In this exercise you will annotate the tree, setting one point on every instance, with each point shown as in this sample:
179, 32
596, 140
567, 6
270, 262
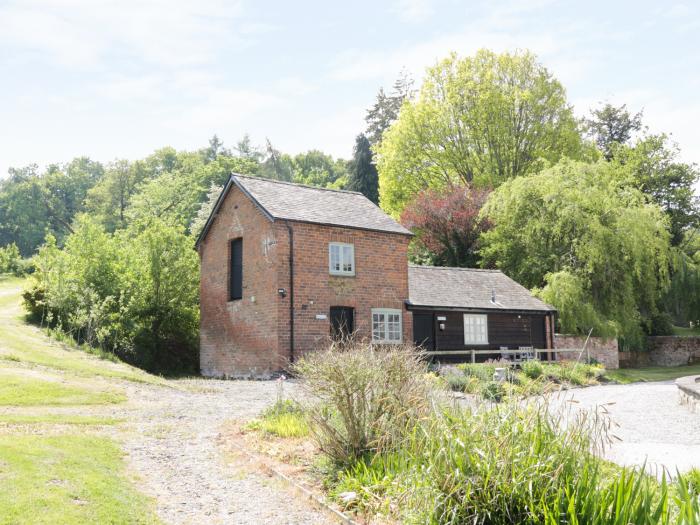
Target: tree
315, 168
276, 165
482, 120
108, 200
363, 173
447, 224
651, 165
386, 109
612, 126
245, 149
33, 203
594, 247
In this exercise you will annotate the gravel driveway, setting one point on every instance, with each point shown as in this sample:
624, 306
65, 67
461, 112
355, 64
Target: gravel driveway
653, 425
171, 442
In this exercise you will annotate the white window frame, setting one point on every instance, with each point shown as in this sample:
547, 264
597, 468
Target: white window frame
343, 248
480, 333
386, 312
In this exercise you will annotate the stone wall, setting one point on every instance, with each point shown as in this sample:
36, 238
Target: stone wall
674, 350
601, 349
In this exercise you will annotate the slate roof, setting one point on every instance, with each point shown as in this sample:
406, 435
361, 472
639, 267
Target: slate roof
468, 288
297, 202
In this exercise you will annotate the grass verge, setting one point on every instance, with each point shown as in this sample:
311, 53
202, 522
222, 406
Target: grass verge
57, 419
67, 480
20, 390
283, 419
654, 373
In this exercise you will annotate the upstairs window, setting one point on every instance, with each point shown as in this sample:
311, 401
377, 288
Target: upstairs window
475, 329
235, 283
341, 259
386, 326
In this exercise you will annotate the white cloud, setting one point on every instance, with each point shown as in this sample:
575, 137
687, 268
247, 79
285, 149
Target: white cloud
83, 33
413, 10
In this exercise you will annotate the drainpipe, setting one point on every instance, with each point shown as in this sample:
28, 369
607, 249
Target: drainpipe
291, 291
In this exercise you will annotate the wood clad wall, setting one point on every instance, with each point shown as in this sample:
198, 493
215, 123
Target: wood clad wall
504, 329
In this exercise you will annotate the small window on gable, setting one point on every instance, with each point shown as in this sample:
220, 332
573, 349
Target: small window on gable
235, 284
476, 329
386, 325
341, 258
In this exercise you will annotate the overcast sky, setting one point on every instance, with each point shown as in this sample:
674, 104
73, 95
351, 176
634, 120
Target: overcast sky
118, 79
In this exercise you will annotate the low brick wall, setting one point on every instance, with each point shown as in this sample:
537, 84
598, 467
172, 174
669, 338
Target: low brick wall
673, 350
601, 349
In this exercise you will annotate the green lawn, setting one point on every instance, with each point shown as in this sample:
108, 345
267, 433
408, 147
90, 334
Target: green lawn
654, 373
17, 389
683, 331
67, 480
64, 470
61, 419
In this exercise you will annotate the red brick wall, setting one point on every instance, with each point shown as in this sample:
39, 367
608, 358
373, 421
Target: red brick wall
380, 281
604, 350
239, 338
250, 337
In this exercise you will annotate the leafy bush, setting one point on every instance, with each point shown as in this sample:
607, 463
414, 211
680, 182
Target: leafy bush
367, 396
457, 382
11, 261
661, 323
133, 293
532, 369
482, 371
284, 419
493, 391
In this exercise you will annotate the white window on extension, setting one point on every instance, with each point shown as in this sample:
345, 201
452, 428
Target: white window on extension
386, 326
476, 330
341, 258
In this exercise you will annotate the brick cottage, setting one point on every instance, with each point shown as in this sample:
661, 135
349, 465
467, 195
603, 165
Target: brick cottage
286, 267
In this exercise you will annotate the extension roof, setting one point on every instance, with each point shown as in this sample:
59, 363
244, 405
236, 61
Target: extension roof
296, 202
468, 288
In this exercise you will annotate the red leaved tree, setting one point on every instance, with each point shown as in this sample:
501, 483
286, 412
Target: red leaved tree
447, 225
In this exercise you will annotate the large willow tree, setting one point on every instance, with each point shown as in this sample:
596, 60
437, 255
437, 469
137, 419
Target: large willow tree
594, 246
483, 120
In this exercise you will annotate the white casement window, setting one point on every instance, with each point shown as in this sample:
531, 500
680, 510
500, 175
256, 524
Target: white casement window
341, 258
476, 331
386, 325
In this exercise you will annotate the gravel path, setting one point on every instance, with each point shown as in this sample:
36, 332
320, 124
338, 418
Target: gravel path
171, 439
653, 425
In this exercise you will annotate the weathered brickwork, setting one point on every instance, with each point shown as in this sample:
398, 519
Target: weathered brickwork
239, 338
251, 336
674, 350
603, 350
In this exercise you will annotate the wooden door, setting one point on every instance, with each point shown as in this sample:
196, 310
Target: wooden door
342, 322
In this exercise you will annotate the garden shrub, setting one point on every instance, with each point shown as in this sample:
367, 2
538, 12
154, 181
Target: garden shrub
11, 261
532, 369
366, 396
482, 371
493, 391
457, 382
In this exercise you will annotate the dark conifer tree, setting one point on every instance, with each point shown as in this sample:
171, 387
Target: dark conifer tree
363, 172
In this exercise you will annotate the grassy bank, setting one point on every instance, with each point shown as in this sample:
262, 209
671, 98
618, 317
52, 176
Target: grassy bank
56, 466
